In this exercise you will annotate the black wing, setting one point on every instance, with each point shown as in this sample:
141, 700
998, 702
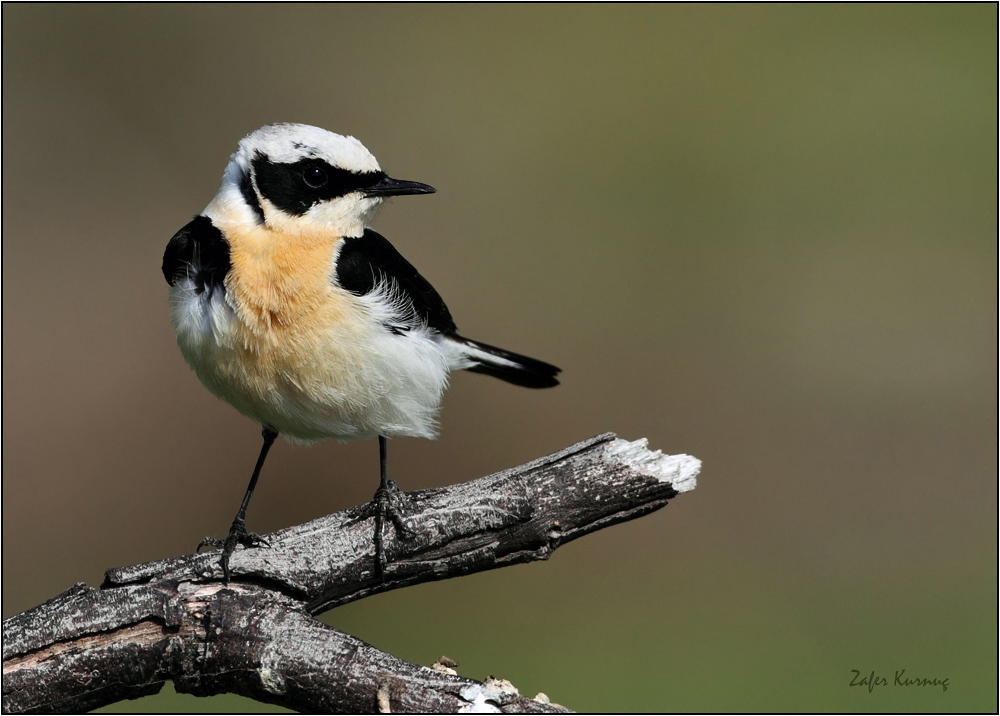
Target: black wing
369, 260
199, 252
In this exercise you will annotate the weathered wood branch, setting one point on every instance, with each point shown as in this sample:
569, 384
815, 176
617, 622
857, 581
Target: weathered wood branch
257, 636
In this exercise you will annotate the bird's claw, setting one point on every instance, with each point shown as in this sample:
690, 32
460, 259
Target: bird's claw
383, 502
384, 505
238, 535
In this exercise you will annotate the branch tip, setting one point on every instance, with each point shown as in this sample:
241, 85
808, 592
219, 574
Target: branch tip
680, 471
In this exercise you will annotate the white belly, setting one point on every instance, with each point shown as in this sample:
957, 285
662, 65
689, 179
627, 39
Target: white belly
343, 379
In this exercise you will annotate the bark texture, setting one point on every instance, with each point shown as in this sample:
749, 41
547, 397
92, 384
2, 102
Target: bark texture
257, 636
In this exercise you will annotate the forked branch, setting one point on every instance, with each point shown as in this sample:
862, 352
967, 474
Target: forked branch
257, 636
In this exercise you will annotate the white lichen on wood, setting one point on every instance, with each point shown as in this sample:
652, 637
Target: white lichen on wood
681, 471
543, 698
382, 696
488, 697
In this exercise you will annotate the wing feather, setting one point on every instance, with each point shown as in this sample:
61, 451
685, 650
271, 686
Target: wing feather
369, 261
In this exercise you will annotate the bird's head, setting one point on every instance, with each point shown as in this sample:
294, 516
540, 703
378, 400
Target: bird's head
297, 179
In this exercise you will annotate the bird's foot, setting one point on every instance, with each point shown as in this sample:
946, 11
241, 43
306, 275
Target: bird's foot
385, 504
238, 534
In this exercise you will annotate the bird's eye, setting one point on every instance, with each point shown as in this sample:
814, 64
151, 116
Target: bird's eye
314, 177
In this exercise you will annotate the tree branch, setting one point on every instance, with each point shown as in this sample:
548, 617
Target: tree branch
176, 619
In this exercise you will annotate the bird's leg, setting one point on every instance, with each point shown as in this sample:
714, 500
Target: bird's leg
383, 506
238, 533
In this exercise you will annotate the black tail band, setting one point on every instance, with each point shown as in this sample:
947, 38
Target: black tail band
511, 367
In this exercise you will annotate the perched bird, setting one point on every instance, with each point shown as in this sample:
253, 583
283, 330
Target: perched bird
294, 312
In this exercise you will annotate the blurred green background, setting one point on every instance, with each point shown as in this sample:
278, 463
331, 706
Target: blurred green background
764, 236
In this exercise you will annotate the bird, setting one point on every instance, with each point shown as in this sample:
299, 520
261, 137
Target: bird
287, 306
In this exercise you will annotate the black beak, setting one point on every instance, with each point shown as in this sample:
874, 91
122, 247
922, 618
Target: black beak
397, 187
